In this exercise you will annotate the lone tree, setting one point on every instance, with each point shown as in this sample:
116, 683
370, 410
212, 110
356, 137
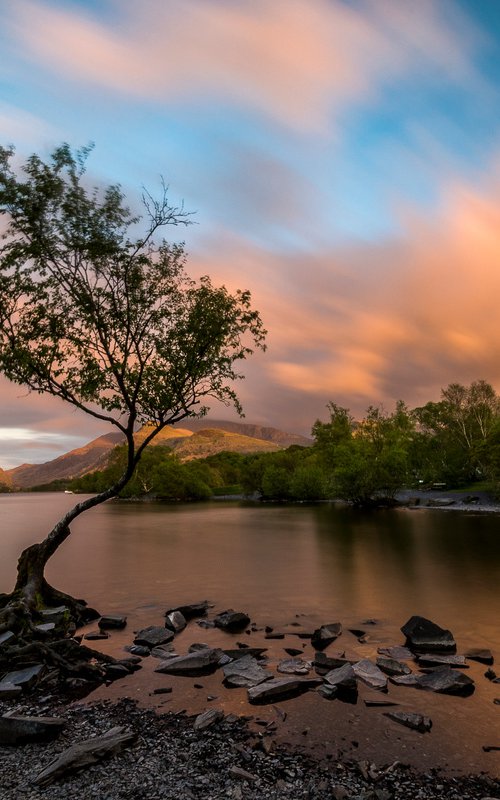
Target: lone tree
109, 322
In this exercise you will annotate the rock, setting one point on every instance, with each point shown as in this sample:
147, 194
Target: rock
84, 754
482, 655
202, 662
342, 678
44, 628
55, 613
17, 729
323, 663
163, 690
370, 674
25, 678
96, 635
175, 621
425, 636
246, 672
392, 667
137, 649
325, 635
378, 702
9, 690
231, 621
417, 722
115, 671
292, 651
153, 636
191, 610
280, 689
242, 774
399, 653
445, 680
163, 651
112, 621
405, 680
437, 660
274, 635
7, 637
208, 718
256, 652
294, 666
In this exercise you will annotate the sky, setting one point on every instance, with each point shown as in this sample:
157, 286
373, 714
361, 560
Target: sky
342, 158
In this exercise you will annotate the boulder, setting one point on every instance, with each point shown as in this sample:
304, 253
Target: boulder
175, 621
153, 636
370, 674
201, 662
280, 689
325, 635
425, 636
19, 729
417, 722
445, 680
112, 621
231, 621
245, 672
392, 667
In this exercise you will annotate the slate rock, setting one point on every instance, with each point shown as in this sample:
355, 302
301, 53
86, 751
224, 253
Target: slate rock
294, 666
153, 636
94, 636
20, 729
7, 637
482, 655
399, 653
280, 689
245, 672
425, 636
446, 681
405, 680
112, 621
323, 663
208, 718
9, 690
392, 667
25, 678
342, 677
138, 650
293, 651
191, 610
201, 662
54, 613
441, 660
370, 674
325, 635
417, 722
231, 621
256, 652
175, 621
44, 628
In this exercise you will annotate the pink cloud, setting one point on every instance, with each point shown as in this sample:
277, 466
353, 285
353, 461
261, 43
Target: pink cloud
297, 61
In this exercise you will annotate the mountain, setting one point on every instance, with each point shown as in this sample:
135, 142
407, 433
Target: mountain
197, 441
267, 434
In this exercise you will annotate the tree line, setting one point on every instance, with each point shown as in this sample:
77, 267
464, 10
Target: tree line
453, 443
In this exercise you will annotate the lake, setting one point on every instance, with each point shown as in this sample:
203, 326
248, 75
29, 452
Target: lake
282, 564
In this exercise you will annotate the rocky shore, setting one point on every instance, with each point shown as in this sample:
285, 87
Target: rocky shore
170, 758
52, 746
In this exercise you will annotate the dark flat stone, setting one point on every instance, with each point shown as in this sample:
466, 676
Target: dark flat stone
201, 662
425, 636
280, 688
153, 636
20, 729
417, 722
112, 621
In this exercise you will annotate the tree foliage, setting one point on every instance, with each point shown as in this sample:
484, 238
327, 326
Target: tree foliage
107, 319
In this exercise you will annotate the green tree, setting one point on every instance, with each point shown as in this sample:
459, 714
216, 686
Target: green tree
106, 320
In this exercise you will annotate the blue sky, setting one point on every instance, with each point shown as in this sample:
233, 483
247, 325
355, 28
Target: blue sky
342, 159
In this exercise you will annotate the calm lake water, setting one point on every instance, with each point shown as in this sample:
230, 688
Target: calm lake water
280, 564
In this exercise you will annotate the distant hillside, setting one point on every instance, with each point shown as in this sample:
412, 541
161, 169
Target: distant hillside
214, 440
267, 434
203, 438
77, 462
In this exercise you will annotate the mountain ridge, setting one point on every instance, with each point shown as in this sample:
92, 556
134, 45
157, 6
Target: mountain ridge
199, 440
